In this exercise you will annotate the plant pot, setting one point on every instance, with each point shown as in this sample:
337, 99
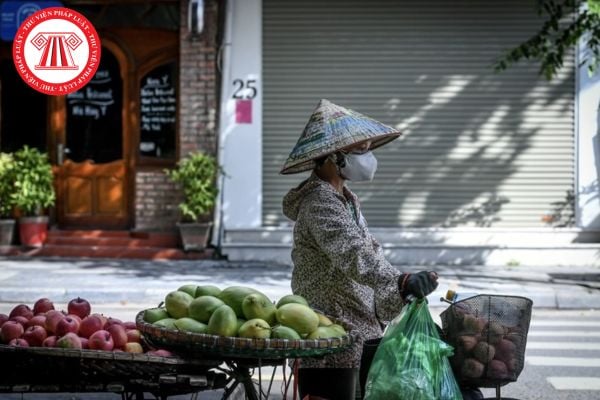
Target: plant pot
194, 236
7, 230
33, 231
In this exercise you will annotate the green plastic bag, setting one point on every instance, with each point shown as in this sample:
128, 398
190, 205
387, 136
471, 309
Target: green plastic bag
411, 362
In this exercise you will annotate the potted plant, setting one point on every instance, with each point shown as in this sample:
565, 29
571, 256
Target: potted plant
7, 188
196, 174
34, 193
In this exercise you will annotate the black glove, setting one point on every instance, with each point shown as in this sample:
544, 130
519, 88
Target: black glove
418, 285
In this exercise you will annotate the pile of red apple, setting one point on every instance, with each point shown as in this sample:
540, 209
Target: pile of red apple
77, 328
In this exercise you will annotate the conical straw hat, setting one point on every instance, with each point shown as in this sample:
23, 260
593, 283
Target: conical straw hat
332, 128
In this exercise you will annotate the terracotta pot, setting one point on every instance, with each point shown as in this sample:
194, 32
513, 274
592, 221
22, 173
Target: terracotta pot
33, 231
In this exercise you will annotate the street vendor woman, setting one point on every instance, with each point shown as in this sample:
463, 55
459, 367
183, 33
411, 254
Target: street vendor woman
338, 266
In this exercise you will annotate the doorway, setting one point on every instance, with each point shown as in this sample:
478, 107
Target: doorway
91, 167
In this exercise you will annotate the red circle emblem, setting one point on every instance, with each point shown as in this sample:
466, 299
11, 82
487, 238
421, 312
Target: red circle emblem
56, 51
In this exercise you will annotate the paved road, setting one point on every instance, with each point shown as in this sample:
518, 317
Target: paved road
563, 353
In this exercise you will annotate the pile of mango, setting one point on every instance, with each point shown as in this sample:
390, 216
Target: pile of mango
241, 311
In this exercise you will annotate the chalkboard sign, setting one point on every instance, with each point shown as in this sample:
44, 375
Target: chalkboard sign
94, 120
158, 112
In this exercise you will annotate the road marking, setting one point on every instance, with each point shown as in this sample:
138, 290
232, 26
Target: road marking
6, 275
565, 333
566, 323
563, 345
574, 383
563, 361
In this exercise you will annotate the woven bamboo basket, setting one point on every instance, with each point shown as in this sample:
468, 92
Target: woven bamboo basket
235, 347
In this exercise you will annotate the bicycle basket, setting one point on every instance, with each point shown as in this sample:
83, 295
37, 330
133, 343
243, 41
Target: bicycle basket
489, 335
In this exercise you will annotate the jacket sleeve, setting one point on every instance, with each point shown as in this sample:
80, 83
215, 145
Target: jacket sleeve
353, 252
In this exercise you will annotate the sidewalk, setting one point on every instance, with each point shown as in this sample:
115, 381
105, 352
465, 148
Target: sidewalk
124, 287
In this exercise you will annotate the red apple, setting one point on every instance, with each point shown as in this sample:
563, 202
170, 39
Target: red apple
20, 319
118, 334
84, 343
129, 325
102, 318
69, 341
52, 318
75, 317
101, 340
89, 325
18, 342
39, 319
11, 330
134, 335
35, 335
79, 307
22, 310
42, 305
66, 325
3, 318
112, 321
133, 347
50, 341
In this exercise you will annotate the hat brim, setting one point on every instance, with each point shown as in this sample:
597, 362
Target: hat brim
309, 164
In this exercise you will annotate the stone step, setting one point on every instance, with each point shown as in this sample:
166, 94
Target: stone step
113, 251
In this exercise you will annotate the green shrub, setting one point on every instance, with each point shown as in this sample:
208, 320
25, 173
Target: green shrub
34, 190
7, 184
196, 174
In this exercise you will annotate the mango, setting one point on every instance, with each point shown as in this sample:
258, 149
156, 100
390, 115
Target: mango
201, 308
222, 322
323, 332
233, 296
207, 290
297, 316
339, 329
257, 305
177, 304
187, 324
291, 298
323, 320
168, 323
255, 328
152, 315
189, 289
284, 332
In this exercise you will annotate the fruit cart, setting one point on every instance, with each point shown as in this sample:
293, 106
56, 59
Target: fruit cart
237, 356
201, 362
51, 370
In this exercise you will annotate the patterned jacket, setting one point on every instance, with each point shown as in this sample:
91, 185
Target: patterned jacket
338, 266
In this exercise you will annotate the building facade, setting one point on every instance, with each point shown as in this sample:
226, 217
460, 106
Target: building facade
492, 167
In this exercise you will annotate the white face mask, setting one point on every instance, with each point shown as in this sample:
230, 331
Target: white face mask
359, 167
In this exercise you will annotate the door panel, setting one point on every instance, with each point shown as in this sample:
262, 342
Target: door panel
94, 193
92, 173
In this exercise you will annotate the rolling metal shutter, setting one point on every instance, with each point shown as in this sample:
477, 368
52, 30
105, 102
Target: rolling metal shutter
480, 148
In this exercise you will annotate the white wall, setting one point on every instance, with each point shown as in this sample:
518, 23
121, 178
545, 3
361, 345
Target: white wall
240, 144
588, 146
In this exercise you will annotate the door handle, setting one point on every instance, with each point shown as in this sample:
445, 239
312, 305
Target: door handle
61, 150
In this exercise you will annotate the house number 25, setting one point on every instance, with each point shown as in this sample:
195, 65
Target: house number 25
244, 89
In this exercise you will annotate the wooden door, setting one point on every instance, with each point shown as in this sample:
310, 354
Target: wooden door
91, 150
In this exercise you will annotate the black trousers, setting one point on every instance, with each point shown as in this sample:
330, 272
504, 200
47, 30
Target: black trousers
328, 383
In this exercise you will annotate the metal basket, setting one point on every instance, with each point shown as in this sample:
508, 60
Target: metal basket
206, 345
489, 336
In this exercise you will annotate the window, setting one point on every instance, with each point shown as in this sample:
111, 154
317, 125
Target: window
158, 112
